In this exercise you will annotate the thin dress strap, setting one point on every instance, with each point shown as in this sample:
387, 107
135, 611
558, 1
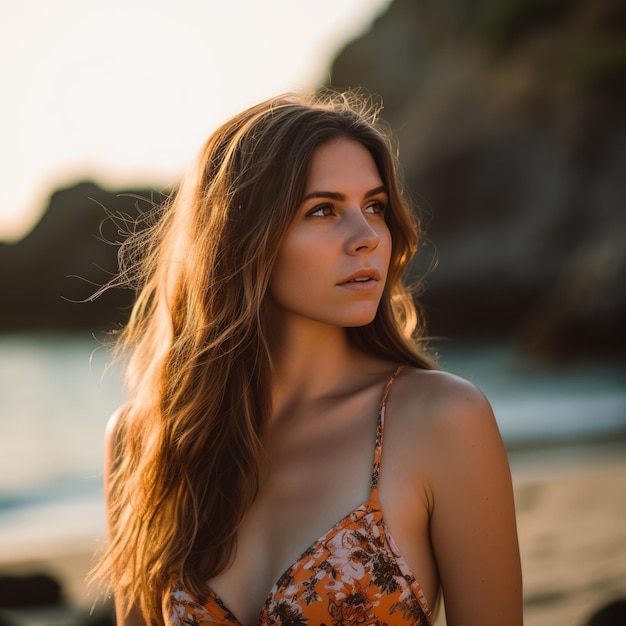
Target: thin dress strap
380, 428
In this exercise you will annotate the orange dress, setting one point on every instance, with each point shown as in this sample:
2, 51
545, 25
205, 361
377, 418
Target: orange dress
351, 575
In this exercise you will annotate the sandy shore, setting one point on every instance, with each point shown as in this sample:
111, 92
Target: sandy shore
571, 510
571, 506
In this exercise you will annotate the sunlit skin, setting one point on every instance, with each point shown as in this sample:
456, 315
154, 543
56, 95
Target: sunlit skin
332, 265
444, 486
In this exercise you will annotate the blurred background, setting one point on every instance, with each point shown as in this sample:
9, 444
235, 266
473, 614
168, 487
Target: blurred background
511, 121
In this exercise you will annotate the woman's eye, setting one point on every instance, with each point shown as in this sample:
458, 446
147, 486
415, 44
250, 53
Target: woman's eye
377, 208
323, 210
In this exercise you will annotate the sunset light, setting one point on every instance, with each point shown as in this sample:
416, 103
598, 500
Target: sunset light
124, 92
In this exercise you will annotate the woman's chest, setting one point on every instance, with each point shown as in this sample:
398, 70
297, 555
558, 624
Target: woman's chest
302, 497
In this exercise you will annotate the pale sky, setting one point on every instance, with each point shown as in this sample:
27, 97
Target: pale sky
125, 91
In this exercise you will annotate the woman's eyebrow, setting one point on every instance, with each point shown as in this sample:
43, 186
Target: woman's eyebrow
333, 195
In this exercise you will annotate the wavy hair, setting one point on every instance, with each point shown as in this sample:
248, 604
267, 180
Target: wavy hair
198, 367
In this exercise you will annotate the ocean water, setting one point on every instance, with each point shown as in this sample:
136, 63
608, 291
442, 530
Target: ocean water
56, 394
55, 398
535, 404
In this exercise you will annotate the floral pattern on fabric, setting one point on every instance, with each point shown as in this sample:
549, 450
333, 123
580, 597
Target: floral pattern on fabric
352, 576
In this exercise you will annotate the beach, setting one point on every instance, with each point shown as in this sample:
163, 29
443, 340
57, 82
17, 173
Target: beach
571, 510
564, 428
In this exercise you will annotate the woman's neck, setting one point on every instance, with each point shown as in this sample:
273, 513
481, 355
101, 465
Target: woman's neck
310, 360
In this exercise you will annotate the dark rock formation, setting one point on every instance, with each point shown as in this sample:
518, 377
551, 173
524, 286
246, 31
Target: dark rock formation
512, 129
35, 590
48, 278
511, 120
39, 599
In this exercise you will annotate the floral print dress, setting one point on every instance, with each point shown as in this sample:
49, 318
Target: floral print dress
353, 575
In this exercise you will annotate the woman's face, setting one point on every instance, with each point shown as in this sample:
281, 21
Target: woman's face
332, 265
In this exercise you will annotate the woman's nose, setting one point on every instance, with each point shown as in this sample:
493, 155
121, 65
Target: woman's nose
362, 237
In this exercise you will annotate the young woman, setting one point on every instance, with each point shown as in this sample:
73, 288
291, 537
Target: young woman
288, 453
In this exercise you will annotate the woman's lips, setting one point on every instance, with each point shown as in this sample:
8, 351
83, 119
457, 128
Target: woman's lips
360, 284
365, 275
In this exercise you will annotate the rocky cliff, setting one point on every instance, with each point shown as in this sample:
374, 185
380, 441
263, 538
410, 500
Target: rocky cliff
512, 128
48, 278
511, 122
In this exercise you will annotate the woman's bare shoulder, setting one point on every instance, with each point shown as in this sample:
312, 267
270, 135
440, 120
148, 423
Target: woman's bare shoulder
439, 398
114, 424
447, 418
452, 449
112, 436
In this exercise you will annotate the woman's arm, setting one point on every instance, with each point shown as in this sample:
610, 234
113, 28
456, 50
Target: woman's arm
473, 529
134, 618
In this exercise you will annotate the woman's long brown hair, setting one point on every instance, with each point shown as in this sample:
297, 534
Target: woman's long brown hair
198, 375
